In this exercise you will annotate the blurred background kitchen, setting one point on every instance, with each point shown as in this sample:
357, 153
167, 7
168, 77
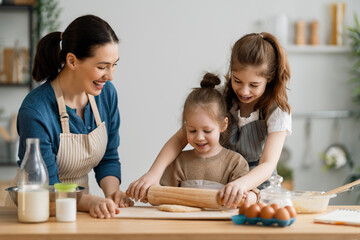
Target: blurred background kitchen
167, 45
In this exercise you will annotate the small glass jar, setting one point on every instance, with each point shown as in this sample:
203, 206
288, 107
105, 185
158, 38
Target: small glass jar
275, 193
65, 202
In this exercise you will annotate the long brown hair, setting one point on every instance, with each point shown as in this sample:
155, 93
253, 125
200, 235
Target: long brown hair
263, 51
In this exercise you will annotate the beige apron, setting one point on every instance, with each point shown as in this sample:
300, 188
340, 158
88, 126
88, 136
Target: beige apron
78, 153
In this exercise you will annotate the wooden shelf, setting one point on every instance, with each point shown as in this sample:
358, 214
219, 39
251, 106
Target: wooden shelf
14, 7
327, 49
29, 9
14, 85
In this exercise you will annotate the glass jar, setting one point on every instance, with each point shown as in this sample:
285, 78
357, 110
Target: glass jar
275, 193
65, 203
33, 184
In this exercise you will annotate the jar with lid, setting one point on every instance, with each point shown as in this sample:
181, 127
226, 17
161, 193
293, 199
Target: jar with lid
275, 193
33, 185
65, 202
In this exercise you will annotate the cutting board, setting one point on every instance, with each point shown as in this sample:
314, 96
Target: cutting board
152, 212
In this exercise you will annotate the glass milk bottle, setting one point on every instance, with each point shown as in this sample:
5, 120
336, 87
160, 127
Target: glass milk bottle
33, 183
65, 202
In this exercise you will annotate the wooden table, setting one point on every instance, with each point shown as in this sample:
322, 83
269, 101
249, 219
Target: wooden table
90, 228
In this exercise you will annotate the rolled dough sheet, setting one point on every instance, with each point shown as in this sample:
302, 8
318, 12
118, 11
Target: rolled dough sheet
178, 208
152, 212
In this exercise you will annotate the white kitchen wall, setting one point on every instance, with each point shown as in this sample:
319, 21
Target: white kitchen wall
167, 45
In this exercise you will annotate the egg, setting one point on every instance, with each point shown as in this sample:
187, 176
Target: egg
275, 206
291, 211
282, 214
261, 205
253, 211
267, 212
243, 207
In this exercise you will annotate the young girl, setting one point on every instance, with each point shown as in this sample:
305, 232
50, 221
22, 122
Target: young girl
208, 165
260, 120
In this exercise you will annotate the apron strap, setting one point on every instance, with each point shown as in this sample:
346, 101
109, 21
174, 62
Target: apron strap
64, 117
94, 109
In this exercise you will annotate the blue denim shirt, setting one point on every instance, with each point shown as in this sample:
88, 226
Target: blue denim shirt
38, 117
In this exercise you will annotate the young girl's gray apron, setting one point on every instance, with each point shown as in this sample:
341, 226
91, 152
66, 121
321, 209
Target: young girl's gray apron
78, 153
203, 184
248, 140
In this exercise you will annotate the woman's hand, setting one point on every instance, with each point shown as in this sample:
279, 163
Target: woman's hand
102, 207
120, 199
232, 194
138, 189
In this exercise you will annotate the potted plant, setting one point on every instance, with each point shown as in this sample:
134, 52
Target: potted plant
287, 173
354, 35
284, 170
47, 13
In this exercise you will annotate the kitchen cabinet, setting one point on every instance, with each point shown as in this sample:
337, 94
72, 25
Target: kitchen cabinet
323, 114
16, 25
16, 55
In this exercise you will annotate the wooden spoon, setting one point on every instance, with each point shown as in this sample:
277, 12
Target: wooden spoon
343, 188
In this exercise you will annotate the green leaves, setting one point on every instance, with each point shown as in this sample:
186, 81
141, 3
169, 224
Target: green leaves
47, 12
354, 35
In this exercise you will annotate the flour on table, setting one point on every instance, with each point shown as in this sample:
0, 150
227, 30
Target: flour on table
178, 208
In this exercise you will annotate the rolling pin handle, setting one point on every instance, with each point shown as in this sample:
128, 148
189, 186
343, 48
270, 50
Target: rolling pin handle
129, 195
220, 200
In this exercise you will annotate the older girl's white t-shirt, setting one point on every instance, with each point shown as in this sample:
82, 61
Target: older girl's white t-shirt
278, 120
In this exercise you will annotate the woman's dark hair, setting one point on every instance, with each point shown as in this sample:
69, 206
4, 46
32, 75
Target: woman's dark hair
207, 98
81, 38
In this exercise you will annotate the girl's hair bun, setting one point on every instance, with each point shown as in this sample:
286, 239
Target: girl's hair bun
210, 80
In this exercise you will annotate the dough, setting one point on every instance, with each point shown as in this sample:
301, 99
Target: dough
178, 208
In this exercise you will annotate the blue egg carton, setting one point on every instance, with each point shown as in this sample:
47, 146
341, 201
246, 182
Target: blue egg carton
242, 219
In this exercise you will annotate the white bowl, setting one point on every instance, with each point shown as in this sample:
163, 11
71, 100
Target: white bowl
310, 201
13, 191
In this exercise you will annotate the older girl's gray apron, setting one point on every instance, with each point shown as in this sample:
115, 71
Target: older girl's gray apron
248, 140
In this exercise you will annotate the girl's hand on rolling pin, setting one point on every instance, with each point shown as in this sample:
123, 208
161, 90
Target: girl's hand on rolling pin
251, 198
121, 200
232, 194
138, 189
102, 207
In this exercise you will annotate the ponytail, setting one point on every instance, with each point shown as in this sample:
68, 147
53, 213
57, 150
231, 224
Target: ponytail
47, 62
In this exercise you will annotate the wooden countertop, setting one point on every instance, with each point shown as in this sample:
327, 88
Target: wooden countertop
87, 227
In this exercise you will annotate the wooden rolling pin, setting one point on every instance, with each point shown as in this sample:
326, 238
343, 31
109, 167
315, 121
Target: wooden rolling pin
193, 197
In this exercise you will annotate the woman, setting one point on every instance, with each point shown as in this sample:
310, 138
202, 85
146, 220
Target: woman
77, 66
